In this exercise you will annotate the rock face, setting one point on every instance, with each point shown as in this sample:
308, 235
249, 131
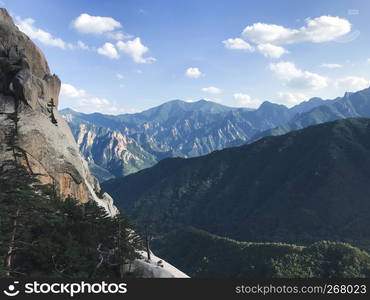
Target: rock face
108, 152
29, 91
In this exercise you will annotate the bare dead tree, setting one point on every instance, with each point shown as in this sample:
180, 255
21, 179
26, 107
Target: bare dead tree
147, 228
11, 246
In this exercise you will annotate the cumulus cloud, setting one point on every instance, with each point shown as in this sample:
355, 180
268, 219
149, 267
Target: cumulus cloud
120, 76
246, 101
28, 27
317, 30
290, 99
270, 50
69, 91
108, 26
118, 35
94, 101
331, 66
352, 83
86, 23
296, 78
136, 50
96, 104
79, 99
108, 50
211, 90
238, 44
193, 72
268, 38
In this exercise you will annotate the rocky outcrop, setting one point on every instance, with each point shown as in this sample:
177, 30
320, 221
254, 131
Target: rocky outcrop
154, 268
29, 93
109, 152
46, 147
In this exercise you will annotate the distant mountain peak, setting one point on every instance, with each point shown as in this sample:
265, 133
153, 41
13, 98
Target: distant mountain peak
68, 110
269, 104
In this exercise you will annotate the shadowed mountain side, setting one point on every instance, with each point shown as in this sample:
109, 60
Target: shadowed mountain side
351, 105
305, 186
205, 255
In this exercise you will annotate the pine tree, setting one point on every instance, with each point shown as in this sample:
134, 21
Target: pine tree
129, 243
21, 209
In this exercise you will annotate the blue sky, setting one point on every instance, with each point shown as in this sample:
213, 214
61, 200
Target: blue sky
127, 56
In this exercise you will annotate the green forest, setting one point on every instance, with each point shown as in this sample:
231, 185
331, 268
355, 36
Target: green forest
43, 236
204, 255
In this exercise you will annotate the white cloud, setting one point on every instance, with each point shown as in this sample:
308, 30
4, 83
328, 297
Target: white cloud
246, 100
291, 99
268, 37
368, 60
28, 27
211, 90
82, 45
94, 101
79, 98
193, 72
325, 29
120, 76
136, 50
118, 35
95, 24
69, 91
238, 44
331, 66
109, 51
317, 30
261, 33
296, 78
352, 83
96, 104
285, 70
270, 50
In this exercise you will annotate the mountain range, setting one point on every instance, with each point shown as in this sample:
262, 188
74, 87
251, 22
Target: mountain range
301, 187
124, 144
349, 106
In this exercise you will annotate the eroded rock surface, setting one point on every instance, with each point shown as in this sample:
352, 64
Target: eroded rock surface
29, 91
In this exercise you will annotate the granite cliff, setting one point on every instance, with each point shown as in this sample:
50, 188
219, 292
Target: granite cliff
35, 135
28, 112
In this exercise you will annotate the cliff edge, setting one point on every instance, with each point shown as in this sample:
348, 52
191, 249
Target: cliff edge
29, 96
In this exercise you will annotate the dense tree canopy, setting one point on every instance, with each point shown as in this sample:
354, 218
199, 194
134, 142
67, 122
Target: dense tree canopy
42, 235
